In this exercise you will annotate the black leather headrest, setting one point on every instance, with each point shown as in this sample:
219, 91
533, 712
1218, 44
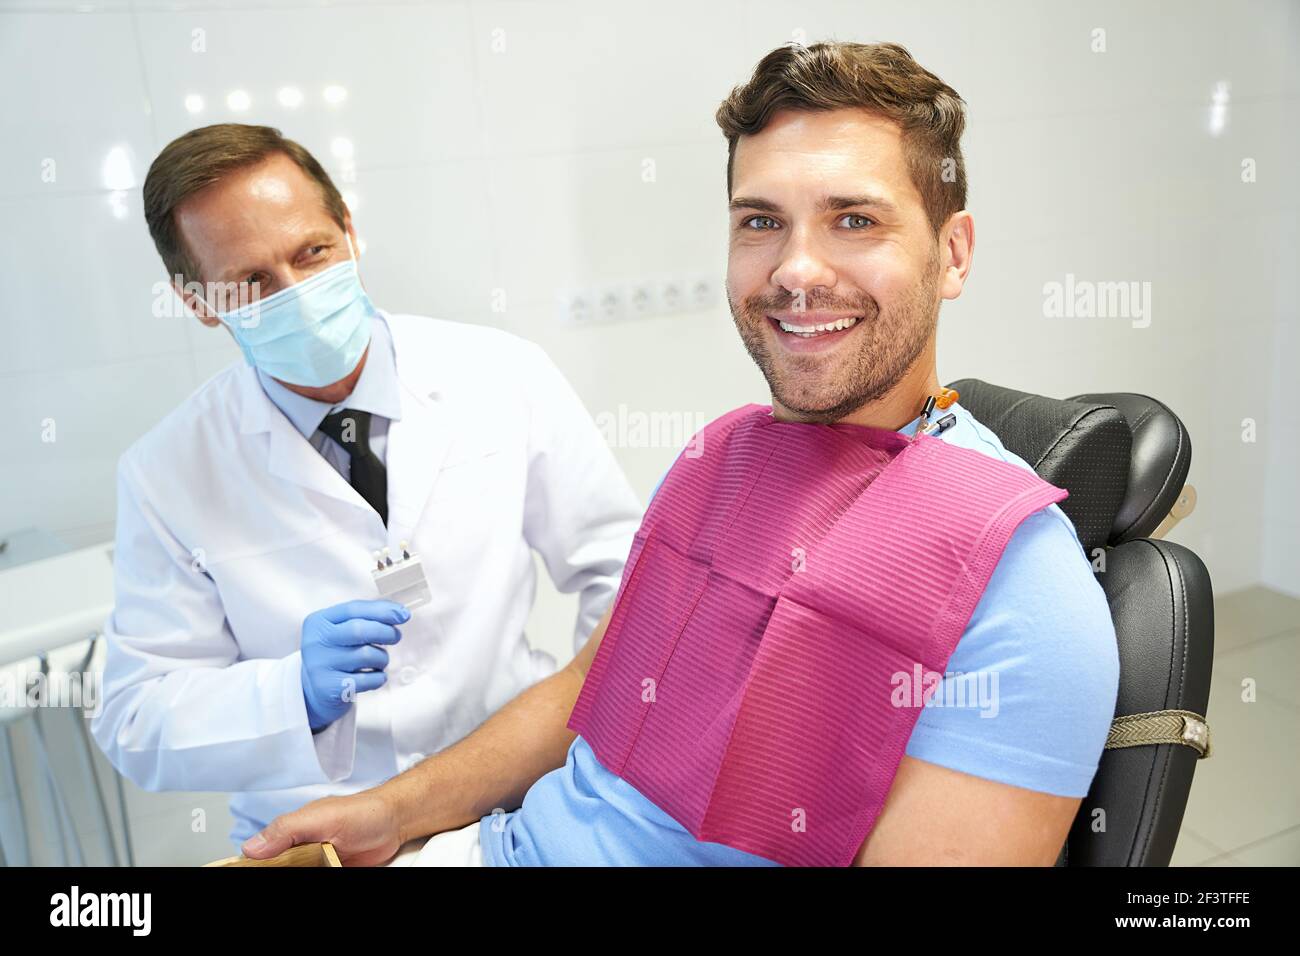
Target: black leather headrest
1080, 446
1123, 457
1160, 459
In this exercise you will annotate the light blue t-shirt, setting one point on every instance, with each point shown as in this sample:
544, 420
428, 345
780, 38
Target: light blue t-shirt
1042, 630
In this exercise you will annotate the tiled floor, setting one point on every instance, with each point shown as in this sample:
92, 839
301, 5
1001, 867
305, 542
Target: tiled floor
1244, 808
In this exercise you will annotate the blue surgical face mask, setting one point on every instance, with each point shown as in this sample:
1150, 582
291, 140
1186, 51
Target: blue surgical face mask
313, 333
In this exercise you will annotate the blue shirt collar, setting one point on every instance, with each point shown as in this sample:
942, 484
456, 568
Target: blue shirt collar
376, 390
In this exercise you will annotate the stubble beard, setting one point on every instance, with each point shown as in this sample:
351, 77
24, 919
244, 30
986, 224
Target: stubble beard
822, 388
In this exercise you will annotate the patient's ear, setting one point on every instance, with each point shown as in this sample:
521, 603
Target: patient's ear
956, 250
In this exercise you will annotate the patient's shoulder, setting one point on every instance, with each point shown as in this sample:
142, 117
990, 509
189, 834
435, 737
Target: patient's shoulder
1042, 605
1040, 649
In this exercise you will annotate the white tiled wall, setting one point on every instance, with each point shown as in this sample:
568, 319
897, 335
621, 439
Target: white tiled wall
499, 146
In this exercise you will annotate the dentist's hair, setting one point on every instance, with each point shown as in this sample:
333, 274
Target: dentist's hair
881, 78
197, 159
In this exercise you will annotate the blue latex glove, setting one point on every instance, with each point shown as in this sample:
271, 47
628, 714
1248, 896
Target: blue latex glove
339, 656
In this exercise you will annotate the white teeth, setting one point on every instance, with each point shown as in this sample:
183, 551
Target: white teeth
808, 331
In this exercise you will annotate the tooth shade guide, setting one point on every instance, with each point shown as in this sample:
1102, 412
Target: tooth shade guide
403, 580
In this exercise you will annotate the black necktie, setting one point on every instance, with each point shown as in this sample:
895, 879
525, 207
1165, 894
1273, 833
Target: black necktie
351, 429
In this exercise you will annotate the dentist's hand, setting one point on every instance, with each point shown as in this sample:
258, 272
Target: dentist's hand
362, 826
339, 656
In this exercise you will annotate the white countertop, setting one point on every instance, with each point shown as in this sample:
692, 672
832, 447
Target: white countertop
54, 601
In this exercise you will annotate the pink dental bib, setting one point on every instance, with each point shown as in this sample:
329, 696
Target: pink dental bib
786, 588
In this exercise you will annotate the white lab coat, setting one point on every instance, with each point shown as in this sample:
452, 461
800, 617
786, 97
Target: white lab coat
231, 529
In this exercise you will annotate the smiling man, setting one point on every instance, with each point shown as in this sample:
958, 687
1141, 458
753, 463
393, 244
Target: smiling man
833, 293
784, 675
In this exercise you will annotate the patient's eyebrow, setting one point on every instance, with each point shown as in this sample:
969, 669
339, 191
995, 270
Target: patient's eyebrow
748, 202
827, 204
834, 203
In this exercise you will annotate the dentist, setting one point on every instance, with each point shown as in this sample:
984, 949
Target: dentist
248, 649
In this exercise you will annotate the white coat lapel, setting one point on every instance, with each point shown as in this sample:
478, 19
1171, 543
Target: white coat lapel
417, 445
290, 456
419, 441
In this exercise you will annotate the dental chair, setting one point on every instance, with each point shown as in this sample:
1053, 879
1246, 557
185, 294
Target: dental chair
1124, 459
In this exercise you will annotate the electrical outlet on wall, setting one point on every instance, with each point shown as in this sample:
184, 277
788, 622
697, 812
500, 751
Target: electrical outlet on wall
642, 299
638, 298
672, 297
701, 292
576, 305
609, 303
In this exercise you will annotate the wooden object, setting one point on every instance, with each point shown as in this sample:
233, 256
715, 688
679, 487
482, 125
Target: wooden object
306, 854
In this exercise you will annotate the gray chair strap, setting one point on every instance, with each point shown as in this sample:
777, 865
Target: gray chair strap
1161, 727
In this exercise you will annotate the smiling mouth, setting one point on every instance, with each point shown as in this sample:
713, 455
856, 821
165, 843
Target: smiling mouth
817, 330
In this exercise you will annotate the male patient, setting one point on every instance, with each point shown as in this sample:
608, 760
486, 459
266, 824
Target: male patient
855, 629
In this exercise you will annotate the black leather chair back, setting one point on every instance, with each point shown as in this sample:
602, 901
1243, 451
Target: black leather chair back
1124, 459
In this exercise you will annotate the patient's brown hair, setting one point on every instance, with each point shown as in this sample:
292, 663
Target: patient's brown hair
881, 78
